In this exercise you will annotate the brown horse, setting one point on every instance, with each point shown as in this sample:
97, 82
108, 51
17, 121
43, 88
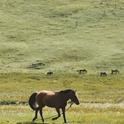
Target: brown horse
82, 71
49, 73
102, 74
115, 71
57, 100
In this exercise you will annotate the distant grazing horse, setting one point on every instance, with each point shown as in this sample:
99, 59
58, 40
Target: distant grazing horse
115, 71
82, 71
103, 74
57, 100
49, 73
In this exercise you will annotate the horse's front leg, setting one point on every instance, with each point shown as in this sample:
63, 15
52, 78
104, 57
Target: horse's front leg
41, 114
58, 111
35, 117
63, 112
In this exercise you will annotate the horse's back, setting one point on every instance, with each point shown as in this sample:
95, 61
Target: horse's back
48, 92
44, 93
45, 97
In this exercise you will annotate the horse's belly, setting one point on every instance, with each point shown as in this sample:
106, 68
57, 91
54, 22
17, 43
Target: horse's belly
50, 104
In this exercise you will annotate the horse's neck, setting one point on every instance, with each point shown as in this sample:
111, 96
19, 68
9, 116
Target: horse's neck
65, 96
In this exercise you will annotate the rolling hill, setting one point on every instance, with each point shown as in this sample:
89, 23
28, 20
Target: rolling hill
42, 35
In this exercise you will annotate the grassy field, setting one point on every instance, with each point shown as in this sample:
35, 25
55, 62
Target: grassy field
62, 35
91, 88
101, 98
37, 36
78, 115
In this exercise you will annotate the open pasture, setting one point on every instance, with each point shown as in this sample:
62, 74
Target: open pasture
102, 98
62, 36
84, 114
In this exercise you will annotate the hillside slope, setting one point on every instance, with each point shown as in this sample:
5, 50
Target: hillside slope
65, 35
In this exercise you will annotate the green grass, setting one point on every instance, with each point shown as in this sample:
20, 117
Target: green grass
91, 88
101, 98
62, 35
23, 115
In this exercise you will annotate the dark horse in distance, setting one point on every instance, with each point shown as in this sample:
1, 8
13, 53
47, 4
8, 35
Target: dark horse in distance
57, 100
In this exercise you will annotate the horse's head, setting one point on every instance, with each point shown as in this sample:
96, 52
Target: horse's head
71, 94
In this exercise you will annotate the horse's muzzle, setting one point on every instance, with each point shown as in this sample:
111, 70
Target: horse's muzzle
77, 103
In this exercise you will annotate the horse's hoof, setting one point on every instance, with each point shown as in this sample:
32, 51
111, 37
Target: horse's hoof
53, 118
33, 120
43, 121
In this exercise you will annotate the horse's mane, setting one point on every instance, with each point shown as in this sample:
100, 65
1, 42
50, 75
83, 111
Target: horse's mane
66, 91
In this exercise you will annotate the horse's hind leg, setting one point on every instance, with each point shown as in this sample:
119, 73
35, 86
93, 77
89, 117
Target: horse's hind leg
58, 111
41, 114
35, 117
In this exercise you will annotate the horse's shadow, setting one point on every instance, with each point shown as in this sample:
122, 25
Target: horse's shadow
30, 123
69, 122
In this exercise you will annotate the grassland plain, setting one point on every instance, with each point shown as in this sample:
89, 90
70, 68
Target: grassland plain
101, 98
62, 36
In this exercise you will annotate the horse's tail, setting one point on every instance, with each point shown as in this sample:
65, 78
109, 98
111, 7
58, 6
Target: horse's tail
32, 101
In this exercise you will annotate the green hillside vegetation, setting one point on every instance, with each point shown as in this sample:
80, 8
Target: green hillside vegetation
63, 35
